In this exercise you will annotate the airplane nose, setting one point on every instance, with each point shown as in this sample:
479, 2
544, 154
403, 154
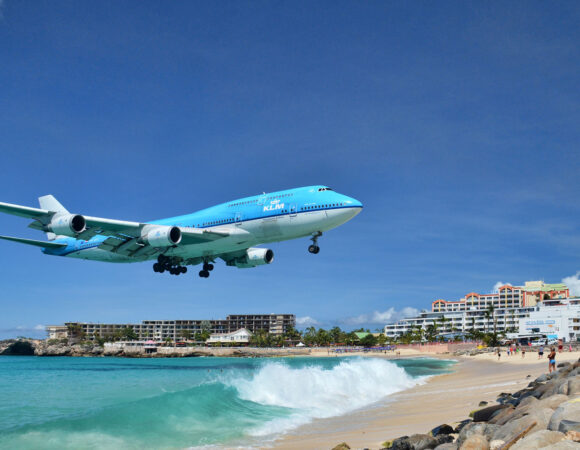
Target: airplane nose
353, 202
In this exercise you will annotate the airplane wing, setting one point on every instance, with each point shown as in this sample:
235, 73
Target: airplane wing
42, 244
124, 237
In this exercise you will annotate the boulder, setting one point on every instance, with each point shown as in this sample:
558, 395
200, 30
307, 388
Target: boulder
573, 385
475, 442
461, 425
441, 429
539, 439
563, 364
482, 403
422, 442
552, 402
511, 429
569, 410
401, 443
485, 429
573, 436
448, 446
483, 415
444, 439
496, 444
503, 416
555, 387
563, 445
542, 378
341, 446
568, 425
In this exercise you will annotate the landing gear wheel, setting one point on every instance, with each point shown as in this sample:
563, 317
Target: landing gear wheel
204, 274
162, 259
157, 267
183, 269
314, 248
207, 267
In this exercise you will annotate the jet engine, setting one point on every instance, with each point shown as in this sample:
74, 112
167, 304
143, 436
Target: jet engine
253, 257
162, 236
67, 224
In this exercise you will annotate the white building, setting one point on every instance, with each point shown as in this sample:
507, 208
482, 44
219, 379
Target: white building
503, 319
241, 336
556, 319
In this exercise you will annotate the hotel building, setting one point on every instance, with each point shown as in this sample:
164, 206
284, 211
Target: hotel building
159, 330
511, 305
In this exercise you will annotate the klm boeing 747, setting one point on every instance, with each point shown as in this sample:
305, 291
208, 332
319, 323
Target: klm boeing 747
229, 231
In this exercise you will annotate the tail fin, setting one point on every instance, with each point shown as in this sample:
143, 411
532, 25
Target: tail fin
50, 203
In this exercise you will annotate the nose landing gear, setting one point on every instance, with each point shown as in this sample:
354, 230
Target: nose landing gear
314, 248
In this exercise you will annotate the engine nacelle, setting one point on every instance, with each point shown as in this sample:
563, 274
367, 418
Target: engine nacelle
253, 257
67, 224
162, 236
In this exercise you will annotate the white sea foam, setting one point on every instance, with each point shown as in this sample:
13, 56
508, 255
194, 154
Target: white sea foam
314, 392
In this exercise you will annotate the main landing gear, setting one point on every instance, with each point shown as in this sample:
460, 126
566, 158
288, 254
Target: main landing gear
207, 268
314, 248
165, 264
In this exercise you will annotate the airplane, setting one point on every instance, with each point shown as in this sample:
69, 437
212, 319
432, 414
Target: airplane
229, 231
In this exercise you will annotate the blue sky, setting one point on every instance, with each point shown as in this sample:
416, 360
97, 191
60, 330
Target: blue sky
455, 123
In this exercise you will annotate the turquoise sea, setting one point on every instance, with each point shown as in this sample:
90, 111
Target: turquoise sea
115, 403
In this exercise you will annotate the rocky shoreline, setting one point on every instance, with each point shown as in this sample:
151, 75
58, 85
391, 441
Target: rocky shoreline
544, 415
30, 347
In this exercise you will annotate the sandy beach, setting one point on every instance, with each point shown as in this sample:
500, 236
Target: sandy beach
443, 399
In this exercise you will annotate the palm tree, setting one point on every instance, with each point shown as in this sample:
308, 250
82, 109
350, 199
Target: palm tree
491, 310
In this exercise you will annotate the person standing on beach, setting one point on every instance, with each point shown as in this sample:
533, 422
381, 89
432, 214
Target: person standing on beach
552, 360
523, 352
499, 353
540, 352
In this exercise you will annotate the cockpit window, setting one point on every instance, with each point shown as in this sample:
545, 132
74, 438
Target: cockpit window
324, 189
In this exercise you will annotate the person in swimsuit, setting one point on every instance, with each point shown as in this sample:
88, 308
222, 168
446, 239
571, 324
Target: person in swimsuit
552, 360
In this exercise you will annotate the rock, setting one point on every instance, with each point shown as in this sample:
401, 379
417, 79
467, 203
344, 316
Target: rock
503, 416
441, 429
568, 425
511, 429
448, 446
563, 364
552, 402
573, 436
482, 403
444, 439
481, 428
539, 439
569, 410
483, 415
573, 386
542, 378
341, 446
555, 387
564, 445
401, 443
461, 425
475, 442
422, 442
496, 444
526, 401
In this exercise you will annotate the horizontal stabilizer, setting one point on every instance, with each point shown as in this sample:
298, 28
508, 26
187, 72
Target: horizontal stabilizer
42, 244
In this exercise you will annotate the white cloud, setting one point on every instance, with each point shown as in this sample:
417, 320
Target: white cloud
384, 317
499, 284
573, 283
306, 321
40, 327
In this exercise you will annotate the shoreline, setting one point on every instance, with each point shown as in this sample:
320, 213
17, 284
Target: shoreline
447, 398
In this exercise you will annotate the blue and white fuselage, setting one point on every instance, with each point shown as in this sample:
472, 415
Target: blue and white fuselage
228, 231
